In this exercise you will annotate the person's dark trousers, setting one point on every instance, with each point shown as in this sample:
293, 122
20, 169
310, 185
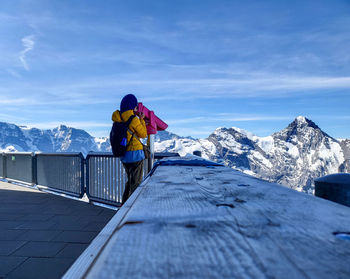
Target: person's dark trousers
134, 173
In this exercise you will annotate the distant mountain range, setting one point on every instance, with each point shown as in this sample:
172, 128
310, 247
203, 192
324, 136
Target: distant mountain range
293, 157
60, 139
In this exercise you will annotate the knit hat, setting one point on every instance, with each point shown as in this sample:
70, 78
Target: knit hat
128, 102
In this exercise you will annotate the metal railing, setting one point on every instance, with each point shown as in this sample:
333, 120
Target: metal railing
106, 178
61, 172
101, 175
20, 167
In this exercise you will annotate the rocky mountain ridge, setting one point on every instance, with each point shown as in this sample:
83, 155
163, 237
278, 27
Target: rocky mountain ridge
294, 156
60, 139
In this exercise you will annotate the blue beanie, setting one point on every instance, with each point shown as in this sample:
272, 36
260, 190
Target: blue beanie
128, 102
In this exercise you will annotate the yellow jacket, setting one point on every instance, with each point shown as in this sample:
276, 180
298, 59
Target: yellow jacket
137, 126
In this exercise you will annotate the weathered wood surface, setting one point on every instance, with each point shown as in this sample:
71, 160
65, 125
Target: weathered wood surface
86, 260
213, 222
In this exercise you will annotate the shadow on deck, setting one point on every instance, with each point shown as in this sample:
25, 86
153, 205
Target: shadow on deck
41, 234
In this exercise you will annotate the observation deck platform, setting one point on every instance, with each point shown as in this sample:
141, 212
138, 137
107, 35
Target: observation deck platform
201, 221
42, 234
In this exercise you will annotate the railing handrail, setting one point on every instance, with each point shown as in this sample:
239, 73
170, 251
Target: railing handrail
101, 154
59, 153
90, 154
18, 153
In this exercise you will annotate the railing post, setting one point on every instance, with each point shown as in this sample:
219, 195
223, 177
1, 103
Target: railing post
4, 157
84, 174
150, 143
5, 165
34, 169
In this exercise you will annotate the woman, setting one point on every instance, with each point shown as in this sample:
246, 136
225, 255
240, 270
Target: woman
134, 156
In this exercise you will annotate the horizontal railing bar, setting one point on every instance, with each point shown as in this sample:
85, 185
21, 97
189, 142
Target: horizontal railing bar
18, 153
63, 154
94, 199
100, 154
92, 154
42, 187
11, 180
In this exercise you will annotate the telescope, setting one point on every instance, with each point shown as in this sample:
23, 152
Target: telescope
153, 123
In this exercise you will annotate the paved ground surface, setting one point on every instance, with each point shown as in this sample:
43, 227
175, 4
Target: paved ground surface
41, 234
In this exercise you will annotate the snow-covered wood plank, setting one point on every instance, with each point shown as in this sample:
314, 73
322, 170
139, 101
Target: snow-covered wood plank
213, 222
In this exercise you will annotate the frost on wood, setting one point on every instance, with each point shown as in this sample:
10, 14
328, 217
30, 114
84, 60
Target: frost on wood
213, 222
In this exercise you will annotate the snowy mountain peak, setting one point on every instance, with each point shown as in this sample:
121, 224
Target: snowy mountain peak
301, 119
61, 128
226, 134
233, 131
219, 131
299, 130
246, 133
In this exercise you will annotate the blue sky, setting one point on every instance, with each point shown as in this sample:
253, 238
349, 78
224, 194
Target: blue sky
199, 65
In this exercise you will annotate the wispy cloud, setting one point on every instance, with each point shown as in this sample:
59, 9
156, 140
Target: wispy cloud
15, 101
28, 44
204, 88
7, 18
13, 73
213, 118
104, 90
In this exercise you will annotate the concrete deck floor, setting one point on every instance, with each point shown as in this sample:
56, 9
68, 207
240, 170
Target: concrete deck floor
42, 234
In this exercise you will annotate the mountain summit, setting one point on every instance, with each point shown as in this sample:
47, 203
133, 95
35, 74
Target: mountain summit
300, 127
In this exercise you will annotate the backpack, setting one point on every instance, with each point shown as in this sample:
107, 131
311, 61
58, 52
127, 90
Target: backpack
118, 137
